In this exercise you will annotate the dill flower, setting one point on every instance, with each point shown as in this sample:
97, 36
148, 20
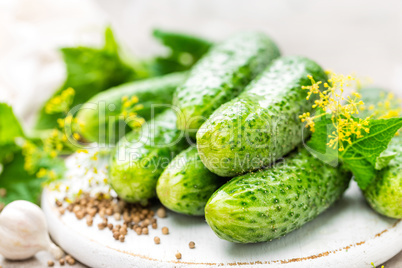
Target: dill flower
341, 109
60, 103
130, 107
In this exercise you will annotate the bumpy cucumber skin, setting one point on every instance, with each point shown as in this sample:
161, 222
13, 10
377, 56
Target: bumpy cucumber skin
268, 204
262, 124
384, 194
97, 118
142, 155
220, 75
186, 184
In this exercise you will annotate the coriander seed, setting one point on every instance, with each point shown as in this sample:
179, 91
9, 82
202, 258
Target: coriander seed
191, 245
161, 212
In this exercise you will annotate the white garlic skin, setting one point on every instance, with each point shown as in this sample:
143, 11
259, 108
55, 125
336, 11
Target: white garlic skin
23, 231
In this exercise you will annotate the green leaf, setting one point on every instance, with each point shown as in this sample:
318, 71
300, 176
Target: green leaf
90, 71
364, 155
18, 183
184, 51
317, 145
10, 129
361, 156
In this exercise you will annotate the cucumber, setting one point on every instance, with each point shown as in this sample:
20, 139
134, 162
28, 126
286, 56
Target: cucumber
262, 124
220, 75
384, 194
141, 156
268, 204
186, 184
101, 113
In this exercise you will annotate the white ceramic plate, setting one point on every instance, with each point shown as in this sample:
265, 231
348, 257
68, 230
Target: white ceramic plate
349, 234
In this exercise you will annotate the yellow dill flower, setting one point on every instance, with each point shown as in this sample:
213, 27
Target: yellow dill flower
42, 173
341, 109
128, 112
76, 136
60, 103
388, 107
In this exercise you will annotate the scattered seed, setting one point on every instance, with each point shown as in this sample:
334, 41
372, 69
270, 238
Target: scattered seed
123, 230
157, 240
71, 261
191, 245
76, 208
136, 219
80, 215
101, 226
161, 212
50, 263
138, 230
116, 235
117, 216
62, 261
59, 203
121, 238
146, 222
90, 222
109, 211
178, 255
165, 230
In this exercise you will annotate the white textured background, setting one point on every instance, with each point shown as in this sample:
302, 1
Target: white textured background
361, 36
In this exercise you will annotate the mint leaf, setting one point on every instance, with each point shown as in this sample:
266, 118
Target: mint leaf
10, 129
90, 71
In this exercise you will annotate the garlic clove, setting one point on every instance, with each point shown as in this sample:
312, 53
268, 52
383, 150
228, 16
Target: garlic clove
23, 231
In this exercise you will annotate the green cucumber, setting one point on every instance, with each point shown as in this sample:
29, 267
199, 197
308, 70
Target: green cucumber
100, 115
142, 155
220, 75
267, 204
186, 184
384, 194
262, 124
